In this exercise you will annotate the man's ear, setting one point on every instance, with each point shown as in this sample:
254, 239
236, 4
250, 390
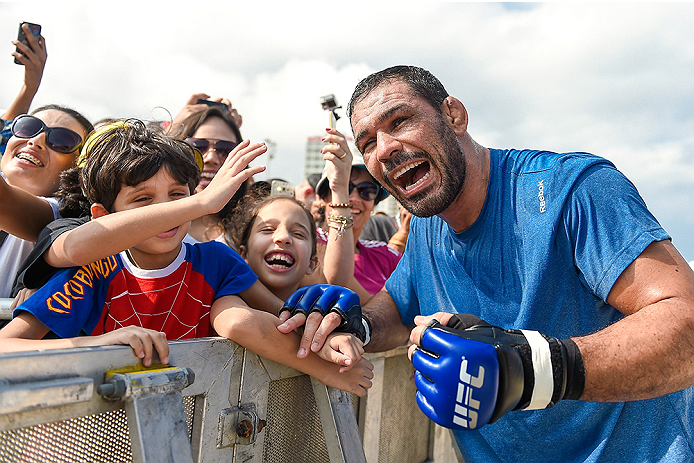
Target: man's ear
455, 114
98, 210
243, 251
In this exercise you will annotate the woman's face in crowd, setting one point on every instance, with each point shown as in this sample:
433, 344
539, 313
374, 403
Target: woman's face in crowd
213, 129
361, 208
28, 163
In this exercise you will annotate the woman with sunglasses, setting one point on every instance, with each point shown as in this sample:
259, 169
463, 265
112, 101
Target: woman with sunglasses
350, 194
42, 146
212, 130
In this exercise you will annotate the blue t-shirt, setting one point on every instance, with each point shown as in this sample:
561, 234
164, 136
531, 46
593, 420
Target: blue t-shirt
555, 233
113, 293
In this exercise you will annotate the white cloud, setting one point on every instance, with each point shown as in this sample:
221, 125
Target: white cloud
609, 78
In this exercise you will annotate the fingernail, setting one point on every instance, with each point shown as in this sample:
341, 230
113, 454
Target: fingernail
314, 347
302, 351
322, 139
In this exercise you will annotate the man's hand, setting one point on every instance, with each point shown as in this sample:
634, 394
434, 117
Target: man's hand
336, 306
469, 373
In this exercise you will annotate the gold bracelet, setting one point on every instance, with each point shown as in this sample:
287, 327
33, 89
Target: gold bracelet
340, 223
344, 205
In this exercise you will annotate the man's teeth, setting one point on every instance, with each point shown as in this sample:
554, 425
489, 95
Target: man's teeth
418, 182
29, 158
399, 173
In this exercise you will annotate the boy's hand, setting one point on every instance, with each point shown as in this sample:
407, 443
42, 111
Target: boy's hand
343, 349
143, 341
231, 175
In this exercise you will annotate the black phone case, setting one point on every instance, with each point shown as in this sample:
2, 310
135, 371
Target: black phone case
35, 29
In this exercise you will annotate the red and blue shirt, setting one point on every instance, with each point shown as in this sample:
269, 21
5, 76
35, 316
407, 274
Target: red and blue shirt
113, 293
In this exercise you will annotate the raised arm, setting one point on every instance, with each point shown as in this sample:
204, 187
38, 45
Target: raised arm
337, 257
34, 61
112, 233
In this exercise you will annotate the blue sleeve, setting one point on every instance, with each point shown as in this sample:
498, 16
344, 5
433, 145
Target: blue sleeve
399, 285
223, 268
610, 226
73, 299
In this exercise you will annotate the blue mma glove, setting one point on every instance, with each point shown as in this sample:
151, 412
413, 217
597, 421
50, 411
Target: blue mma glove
470, 373
324, 299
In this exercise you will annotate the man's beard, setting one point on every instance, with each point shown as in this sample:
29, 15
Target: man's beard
433, 199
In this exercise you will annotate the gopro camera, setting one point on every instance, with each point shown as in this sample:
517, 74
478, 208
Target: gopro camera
328, 102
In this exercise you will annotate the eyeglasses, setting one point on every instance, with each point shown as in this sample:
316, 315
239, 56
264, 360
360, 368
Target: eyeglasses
58, 139
366, 190
222, 147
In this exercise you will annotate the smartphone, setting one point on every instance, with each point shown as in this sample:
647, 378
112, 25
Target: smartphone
214, 103
34, 28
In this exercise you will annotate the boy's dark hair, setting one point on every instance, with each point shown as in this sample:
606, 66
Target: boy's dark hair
422, 83
250, 207
128, 153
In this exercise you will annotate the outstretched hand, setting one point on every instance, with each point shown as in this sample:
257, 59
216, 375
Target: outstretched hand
232, 174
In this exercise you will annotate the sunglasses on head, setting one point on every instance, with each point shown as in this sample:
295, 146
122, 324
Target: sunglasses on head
366, 190
222, 147
58, 139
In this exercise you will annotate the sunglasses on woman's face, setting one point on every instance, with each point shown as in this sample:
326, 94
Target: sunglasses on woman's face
222, 147
366, 190
58, 139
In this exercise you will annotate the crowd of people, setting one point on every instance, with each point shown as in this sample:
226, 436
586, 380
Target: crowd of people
165, 206
547, 320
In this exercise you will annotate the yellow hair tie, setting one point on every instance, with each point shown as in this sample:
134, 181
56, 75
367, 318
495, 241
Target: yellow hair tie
92, 139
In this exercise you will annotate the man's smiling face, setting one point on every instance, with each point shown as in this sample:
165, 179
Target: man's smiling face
409, 148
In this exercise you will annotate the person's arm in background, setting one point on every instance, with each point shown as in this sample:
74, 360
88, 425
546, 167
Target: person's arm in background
399, 240
193, 107
21, 213
34, 61
338, 258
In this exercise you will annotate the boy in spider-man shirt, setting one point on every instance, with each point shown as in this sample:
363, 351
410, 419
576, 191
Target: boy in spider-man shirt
159, 287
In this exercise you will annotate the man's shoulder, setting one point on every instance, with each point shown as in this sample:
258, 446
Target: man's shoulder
523, 162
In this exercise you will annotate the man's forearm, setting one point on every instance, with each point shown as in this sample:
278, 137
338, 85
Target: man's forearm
387, 330
647, 354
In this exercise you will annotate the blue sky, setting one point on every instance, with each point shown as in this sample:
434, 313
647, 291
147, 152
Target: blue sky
614, 79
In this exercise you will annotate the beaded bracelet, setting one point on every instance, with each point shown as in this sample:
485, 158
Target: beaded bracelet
345, 205
340, 223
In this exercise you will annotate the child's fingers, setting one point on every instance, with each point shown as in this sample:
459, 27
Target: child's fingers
161, 345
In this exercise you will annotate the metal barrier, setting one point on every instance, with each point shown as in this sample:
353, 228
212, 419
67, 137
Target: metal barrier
218, 402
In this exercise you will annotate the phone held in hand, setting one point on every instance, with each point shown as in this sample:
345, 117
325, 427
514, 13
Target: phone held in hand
214, 104
21, 37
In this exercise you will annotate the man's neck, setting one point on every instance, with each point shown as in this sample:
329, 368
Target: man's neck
467, 206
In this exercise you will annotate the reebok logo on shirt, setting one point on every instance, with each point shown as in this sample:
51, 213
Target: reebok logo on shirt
541, 196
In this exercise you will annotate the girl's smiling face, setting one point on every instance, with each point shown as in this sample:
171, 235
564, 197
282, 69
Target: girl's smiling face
28, 163
280, 247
